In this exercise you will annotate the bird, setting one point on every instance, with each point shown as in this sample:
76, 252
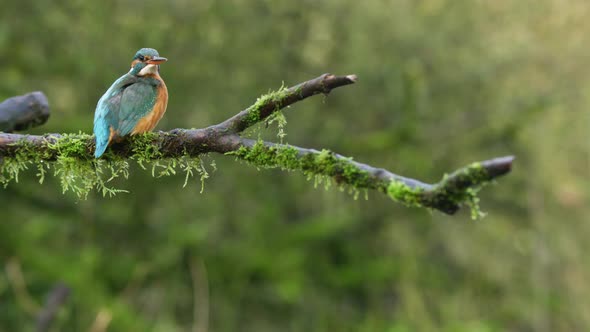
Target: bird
133, 104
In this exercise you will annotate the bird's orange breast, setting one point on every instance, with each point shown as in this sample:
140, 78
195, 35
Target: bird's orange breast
149, 122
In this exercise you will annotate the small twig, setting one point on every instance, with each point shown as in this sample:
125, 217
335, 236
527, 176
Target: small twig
23, 112
56, 298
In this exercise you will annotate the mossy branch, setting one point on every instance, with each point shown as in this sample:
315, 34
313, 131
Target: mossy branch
268, 104
446, 196
72, 155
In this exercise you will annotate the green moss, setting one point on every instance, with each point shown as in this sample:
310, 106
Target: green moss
67, 146
253, 116
271, 98
473, 202
401, 192
476, 173
264, 156
73, 163
70, 145
10, 168
191, 166
459, 188
279, 118
321, 167
462, 187
479, 176
144, 148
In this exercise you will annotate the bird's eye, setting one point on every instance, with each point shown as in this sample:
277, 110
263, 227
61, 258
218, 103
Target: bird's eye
141, 58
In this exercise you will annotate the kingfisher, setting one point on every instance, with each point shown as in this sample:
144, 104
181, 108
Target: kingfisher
134, 103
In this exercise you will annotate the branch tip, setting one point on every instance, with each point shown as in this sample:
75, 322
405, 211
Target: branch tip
498, 166
353, 78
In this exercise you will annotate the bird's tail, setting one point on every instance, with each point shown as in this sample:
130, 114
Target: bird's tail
100, 148
101, 134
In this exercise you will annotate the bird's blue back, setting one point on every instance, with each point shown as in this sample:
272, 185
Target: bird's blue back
128, 100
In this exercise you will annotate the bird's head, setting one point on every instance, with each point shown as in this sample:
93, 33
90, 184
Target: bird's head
146, 61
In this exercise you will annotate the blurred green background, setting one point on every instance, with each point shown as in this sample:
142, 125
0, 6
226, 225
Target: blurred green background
441, 83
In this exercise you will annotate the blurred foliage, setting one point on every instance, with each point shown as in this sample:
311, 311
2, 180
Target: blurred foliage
442, 83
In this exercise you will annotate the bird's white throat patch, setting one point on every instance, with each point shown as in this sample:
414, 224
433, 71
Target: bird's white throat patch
149, 69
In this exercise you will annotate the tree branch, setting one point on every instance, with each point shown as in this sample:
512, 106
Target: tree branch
447, 195
270, 103
23, 112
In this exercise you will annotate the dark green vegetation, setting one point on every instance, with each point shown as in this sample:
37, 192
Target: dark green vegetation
441, 83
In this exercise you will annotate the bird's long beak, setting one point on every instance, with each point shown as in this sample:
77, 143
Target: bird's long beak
156, 60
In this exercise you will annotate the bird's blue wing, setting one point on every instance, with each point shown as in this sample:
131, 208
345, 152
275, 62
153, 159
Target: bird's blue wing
137, 101
127, 101
107, 110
